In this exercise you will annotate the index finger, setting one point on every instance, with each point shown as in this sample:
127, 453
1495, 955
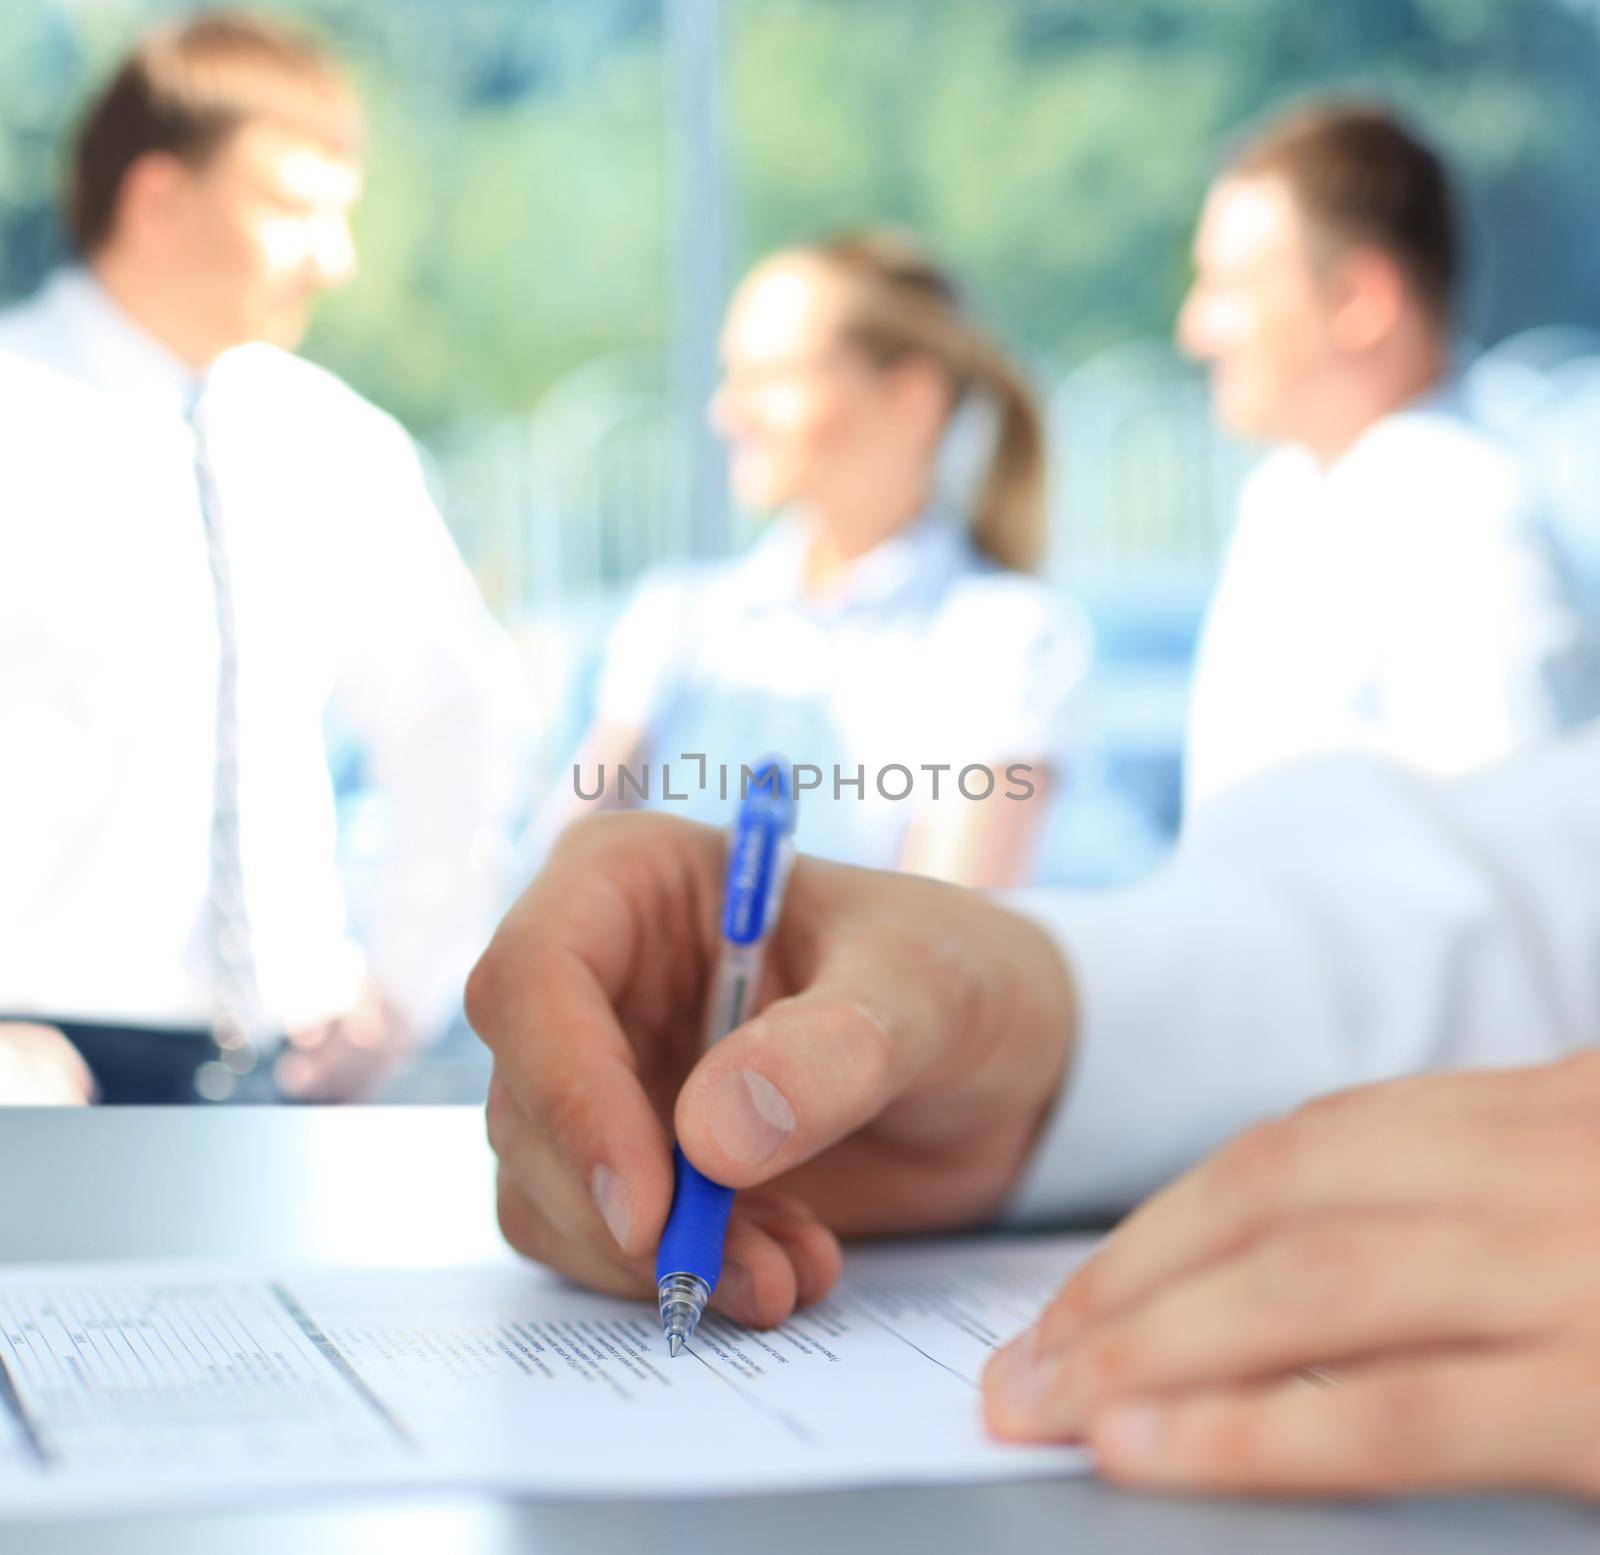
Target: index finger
1348, 1151
611, 933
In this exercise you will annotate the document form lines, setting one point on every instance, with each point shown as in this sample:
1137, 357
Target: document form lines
194, 1360
211, 1363
787, 1421
11, 1401
336, 1358
139, 1385
172, 1362
971, 1382
34, 1359
222, 1356
272, 1377
110, 1337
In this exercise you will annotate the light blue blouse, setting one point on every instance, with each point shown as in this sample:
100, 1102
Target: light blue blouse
926, 653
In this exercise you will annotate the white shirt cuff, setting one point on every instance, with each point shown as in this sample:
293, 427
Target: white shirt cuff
1179, 1045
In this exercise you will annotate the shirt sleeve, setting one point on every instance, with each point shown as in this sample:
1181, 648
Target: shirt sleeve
1226, 735
434, 691
55, 766
1020, 656
1491, 650
1334, 923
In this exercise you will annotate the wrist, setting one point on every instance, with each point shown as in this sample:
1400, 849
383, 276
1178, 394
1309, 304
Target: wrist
1042, 1008
1025, 1021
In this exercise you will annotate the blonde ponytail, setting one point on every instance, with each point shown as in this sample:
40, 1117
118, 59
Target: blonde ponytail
907, 305
1008, 521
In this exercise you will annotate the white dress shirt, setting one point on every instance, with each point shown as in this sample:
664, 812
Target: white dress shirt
1335, 922
1407, 600
350, 600
925, 651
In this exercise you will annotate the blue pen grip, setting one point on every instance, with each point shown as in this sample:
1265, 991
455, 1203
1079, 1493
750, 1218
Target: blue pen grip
696, 1226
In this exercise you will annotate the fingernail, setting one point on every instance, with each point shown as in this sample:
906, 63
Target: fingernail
748, 1117
1006, 1364
737, 1291
1027, 1396
614, 1199
1130, 1435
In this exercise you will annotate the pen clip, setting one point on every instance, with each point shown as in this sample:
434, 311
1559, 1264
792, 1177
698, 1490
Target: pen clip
758, 854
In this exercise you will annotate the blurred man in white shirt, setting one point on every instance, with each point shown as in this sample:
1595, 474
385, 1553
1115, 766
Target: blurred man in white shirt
1391, 585
234, 547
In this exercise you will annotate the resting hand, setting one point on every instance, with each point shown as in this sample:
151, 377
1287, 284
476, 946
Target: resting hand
40, 1068
911, 1038
1394, 1288
348, 1058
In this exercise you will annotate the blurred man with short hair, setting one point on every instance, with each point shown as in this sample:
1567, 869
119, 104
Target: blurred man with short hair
1390, 585
271, 559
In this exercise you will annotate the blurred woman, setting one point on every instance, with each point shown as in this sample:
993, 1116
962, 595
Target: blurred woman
884, 629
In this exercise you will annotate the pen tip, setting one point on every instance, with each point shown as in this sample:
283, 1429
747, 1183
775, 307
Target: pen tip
674, 1344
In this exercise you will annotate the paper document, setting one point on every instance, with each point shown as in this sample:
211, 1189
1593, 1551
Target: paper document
142, 1384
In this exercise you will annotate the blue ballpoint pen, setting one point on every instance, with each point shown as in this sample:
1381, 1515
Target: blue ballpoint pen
760, 851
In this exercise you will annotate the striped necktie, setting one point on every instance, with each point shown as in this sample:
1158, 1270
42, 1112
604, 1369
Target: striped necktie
237, 1023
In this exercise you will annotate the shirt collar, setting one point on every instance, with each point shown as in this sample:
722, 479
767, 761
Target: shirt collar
121, 355
1444, 401
928, 551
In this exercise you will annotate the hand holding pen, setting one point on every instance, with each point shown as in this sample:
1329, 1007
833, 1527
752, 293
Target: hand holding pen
760, 853
909, 1043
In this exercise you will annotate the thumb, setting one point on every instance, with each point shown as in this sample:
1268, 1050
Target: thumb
805, 1073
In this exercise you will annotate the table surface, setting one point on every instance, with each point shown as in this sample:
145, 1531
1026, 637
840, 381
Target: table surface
393, 1186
